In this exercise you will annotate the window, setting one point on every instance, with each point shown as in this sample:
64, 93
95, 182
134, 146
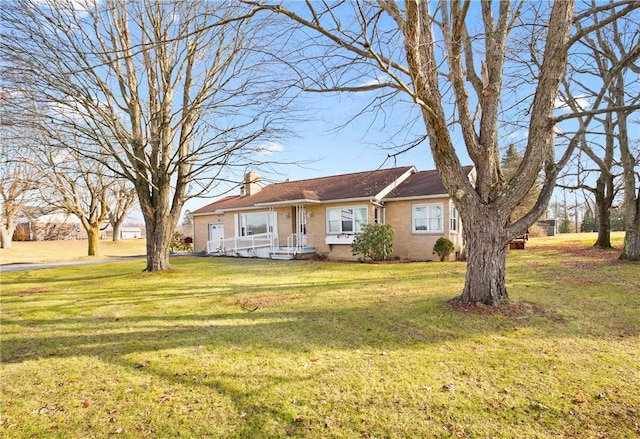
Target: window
253, 224
453, 216
346, 219
427, 218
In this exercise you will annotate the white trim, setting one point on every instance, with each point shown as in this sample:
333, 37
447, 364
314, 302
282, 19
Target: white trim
236, 223
397, 182
452, 208
339, 239
288, 202
418, 197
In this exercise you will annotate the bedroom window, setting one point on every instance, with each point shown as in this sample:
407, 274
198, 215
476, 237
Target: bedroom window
454, 219
427, 218
346, 219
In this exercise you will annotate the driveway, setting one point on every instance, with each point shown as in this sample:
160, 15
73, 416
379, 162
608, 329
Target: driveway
7, 268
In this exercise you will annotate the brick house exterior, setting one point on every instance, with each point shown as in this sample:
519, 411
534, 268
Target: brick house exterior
322, 215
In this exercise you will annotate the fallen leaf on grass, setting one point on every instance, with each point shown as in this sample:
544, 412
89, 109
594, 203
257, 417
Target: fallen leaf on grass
579, 400
165, 397
449, 387
85, 403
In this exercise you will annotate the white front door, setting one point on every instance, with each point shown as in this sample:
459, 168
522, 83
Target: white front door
216, 235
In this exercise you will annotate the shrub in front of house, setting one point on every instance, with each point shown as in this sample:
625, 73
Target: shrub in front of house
374, 242
179, 244
443, 248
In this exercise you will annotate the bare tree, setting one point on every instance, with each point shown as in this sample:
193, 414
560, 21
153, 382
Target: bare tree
451, 59
17, 175
601, 69
176, 93
631, 166
16, 186
76, 185
122, 198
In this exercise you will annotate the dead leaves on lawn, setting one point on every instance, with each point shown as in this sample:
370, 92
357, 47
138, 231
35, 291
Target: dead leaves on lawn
255, 303
29, 292
521, 311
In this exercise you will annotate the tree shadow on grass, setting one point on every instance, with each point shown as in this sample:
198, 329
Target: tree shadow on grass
125, 329
130, 341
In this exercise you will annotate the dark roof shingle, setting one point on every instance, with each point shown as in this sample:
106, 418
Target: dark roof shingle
339, 187
358, 185
422, 184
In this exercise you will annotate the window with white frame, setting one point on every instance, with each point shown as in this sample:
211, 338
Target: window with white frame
427, 218
346, 219
453, 217
253, 223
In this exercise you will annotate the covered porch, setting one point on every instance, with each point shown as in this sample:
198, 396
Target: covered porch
262, 238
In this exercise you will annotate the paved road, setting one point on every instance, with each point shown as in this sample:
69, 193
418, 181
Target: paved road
7, 268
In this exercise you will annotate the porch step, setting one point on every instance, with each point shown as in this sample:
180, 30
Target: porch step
282, 256
287, 254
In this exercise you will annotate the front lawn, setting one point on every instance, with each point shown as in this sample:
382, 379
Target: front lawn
245, 348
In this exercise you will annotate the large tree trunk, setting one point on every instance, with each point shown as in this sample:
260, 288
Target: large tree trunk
93, 236
6, 235
160, 221
115, 227
604, 200
486, 255
158, 242
631, 247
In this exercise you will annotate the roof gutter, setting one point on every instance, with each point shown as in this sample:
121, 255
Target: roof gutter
417, 197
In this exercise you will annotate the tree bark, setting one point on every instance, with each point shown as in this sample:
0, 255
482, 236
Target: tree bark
486, 256
6, 235
631, 248
158, 234
604, 195
116, 226
93, 238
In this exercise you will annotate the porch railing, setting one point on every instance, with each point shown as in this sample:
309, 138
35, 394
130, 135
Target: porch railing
298, 241
295, 243
239, 243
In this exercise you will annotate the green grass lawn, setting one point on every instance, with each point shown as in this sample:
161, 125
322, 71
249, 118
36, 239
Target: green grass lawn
246, 348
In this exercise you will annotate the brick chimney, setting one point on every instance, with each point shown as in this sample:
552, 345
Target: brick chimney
252, 184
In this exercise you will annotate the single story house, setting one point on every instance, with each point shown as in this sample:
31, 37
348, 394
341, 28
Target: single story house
322, 215
125, 232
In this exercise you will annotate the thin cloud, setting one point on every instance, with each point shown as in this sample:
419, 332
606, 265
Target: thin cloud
378, 80
270, 148
582, 102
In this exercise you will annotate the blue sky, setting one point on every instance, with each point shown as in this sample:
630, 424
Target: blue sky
321, 147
